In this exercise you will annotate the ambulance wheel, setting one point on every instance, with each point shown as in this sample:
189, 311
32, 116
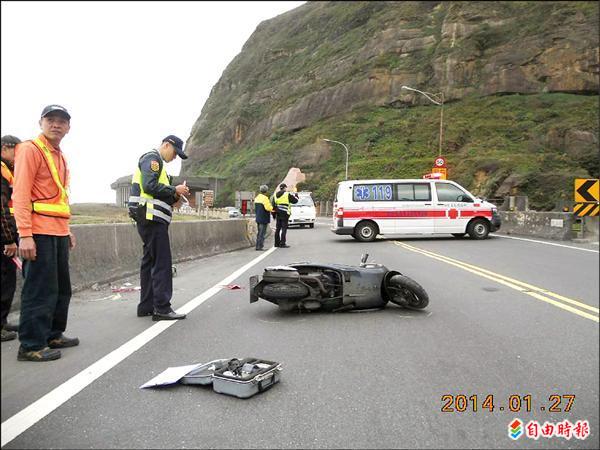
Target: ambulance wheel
365, 232
478, 229
458, 235
407, 292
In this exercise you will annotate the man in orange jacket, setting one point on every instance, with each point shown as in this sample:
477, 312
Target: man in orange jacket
42, 213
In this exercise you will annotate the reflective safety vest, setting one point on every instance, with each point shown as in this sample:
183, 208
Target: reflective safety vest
156, 209
8, 176
57, 206
283, 203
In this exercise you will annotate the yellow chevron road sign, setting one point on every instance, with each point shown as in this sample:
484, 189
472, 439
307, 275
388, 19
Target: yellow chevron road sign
586, 190
586, 209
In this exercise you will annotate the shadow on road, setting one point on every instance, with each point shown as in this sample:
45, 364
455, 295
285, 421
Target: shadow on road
277, 315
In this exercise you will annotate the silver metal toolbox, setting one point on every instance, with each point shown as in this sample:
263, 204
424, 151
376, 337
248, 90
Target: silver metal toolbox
203, 374
245, 378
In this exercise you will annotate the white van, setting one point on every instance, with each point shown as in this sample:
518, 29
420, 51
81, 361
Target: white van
303, 212
367, 208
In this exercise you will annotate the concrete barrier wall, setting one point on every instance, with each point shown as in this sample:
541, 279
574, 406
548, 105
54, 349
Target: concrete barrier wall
591, 227
107, 252
548, 225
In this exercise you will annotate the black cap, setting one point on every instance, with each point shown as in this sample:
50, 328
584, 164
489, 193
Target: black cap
282, 186
10, 141
56, 108
177, 143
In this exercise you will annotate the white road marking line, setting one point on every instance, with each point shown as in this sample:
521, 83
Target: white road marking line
27, 417
547, 243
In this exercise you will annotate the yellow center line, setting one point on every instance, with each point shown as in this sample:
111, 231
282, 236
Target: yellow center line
512, 280
509, 282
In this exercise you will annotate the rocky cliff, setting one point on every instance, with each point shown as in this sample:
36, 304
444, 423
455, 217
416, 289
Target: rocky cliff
324, 60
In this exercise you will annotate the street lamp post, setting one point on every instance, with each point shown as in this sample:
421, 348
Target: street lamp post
337, 142
437, 102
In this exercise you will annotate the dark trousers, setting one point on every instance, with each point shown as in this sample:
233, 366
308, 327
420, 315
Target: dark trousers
260, 234
9, 284
281, 227
156, 277
46, 293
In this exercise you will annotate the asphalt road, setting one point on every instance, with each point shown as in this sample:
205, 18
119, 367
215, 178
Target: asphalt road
506, 318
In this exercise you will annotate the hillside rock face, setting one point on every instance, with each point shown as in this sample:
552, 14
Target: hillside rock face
328, 58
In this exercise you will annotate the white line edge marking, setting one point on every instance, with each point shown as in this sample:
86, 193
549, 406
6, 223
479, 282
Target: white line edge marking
30, 415
547, 243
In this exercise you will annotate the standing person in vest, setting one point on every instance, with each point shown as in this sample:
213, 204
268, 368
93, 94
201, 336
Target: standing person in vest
9, 236
42, 214
282, 202
262, 208
150, 205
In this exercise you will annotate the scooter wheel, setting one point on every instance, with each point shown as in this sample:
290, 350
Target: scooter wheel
407, 292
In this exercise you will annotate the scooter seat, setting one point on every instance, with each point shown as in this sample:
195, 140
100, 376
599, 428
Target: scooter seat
280, 274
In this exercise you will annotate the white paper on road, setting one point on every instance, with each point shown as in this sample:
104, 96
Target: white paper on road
170, 376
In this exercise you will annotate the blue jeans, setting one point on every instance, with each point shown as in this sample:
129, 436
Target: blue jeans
260, 235
46, 293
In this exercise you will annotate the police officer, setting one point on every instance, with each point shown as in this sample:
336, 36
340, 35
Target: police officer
262, 208
150, 205
282, 201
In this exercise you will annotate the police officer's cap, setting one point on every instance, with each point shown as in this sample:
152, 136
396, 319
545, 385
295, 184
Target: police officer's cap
282, 186
177, 143
56, 109
10, 141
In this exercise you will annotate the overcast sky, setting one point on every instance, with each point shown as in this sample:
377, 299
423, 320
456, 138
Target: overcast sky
130, 73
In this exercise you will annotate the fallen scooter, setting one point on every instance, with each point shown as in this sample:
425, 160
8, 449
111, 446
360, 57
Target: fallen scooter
335, 287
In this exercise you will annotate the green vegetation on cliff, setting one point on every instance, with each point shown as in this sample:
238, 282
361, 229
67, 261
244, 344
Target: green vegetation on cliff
544, 140
520, 80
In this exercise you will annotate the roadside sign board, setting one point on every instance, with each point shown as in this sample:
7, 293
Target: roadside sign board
586, 190
586, 209
587, 198
440, 161
441, 170
208, 198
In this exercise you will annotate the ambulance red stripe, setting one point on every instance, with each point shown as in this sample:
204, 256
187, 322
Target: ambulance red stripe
412, 214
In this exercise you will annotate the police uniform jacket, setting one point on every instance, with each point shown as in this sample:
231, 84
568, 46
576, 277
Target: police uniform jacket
151, 165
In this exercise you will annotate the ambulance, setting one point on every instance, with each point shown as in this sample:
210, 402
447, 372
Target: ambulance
365, 209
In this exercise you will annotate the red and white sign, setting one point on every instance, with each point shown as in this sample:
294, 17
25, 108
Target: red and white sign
440, 161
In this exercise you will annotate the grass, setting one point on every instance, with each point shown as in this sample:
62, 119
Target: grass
324, 44
497, 135
91, 213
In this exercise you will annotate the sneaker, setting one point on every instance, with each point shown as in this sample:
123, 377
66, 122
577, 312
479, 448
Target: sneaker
284, 246
11, 327
8, 335
45, 354
63, 341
